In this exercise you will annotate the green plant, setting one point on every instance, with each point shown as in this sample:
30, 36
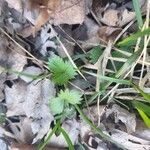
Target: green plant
95, 53
143, 109
62, 71
67, 98
58, 104
137, 9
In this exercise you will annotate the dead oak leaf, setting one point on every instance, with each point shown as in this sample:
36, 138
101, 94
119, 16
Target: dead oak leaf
47, 10
61, 12
110, 17
70, 12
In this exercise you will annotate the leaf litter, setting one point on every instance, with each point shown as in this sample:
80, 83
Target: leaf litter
73, 29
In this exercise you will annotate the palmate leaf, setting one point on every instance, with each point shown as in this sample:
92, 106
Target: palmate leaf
72, 96
62, 71
56, 105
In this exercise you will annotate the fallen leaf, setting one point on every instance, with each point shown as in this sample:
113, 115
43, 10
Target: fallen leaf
58, 12
36, 106
70, 12
142, 131
21, 130
130, 142
31, 100
126, 17
3, 144
124, 116
16, 62
14, 96
106, 33
110, 17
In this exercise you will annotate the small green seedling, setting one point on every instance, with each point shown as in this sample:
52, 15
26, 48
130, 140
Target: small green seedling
62, 71
57, 105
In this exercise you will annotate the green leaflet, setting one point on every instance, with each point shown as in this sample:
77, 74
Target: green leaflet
137, 9
62, 71
70, 96
56, 105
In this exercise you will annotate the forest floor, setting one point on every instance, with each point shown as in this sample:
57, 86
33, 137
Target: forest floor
74, 74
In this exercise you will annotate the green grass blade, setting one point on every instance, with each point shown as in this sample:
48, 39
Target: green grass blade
136, 5
129, 40
110, 79
68, 140
95, 53
19, 73
130, 61
50, 134
145, 108
145, 95
144, 117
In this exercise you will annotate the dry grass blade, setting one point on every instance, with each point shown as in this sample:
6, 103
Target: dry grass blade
146, 38
34, 58
69, 57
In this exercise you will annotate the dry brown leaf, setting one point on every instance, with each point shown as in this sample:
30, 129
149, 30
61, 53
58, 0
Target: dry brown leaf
35, 106
124, 116
126, 17
110, 17
70, 12
46, 12
108, 33
57, 11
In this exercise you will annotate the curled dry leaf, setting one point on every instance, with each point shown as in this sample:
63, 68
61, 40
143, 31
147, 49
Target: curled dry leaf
129, 141
124, 116
45, 43
108, 33
22, 132
58, 11
142, 131
93, 111
127, 16
91, 140
70, 12
110, 17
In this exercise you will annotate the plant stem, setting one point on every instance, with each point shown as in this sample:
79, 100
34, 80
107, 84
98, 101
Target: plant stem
41, 146
98, 130
67, 138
